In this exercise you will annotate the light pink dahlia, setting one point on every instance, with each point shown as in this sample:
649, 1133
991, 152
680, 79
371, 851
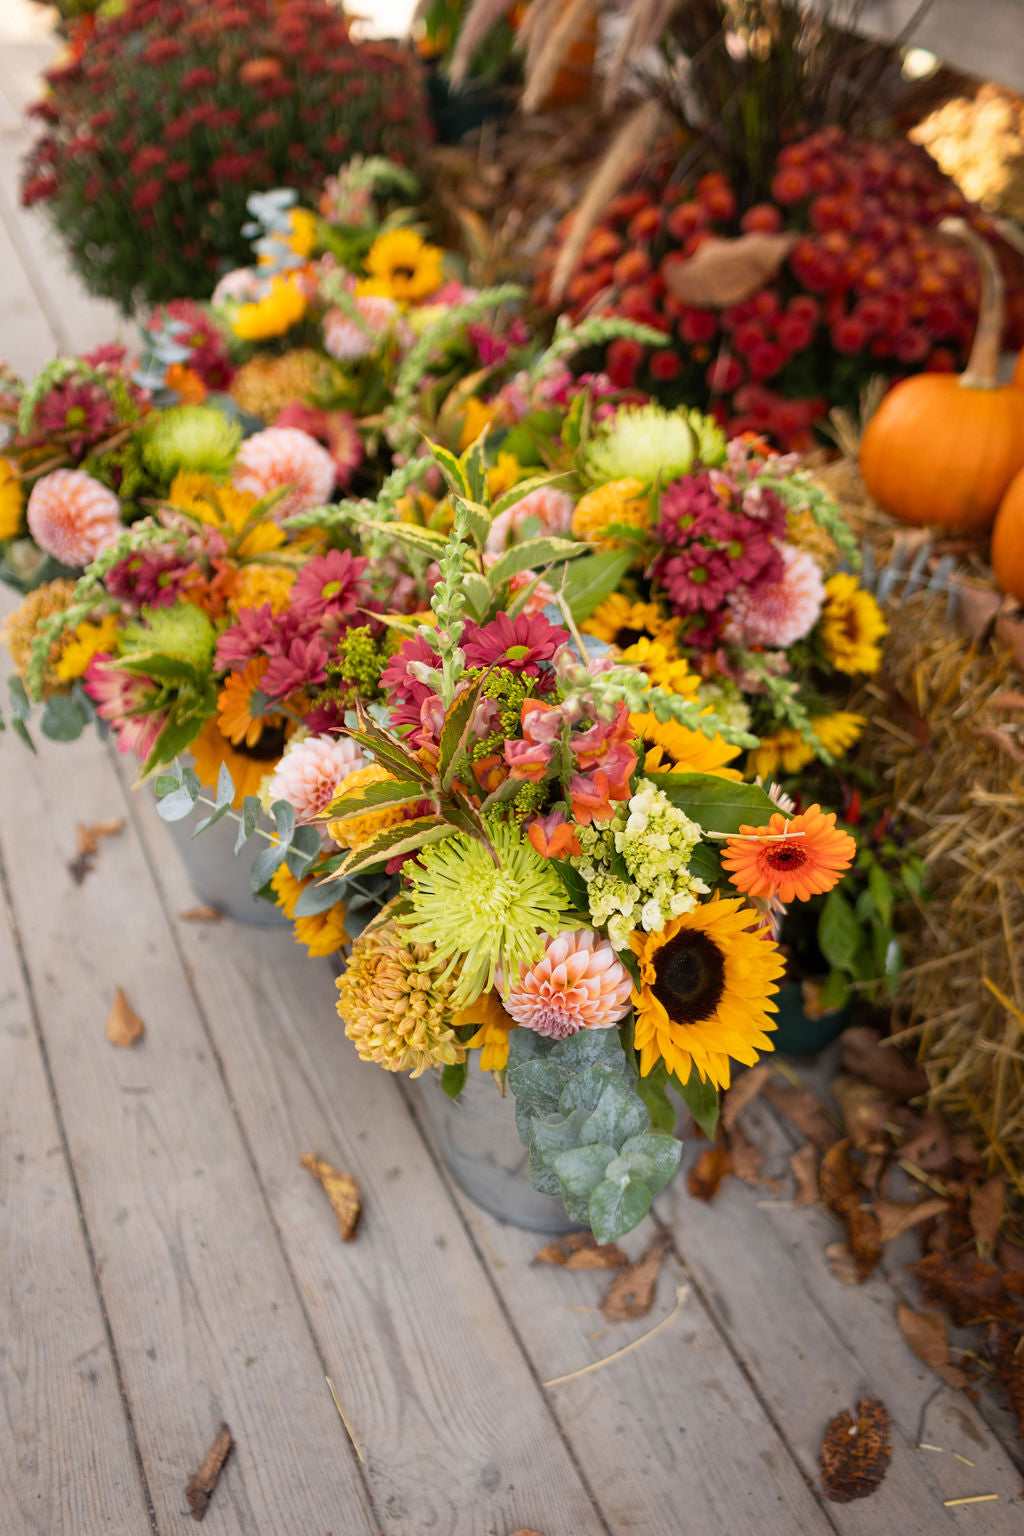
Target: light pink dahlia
551, 509
346, 340
310, 771
577, 984
72, 516
285, 456
779, 612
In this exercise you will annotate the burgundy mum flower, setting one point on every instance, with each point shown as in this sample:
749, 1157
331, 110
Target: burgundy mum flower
331, 583
519, 644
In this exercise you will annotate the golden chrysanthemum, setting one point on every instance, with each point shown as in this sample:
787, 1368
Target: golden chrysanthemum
674, 748
619, 501
12, 501
851, 626
622, 622
224, 507
259, 584
396, 1006
357, 830
704, 996
404, 266
663, 665
265, 385
273, 314
791, 859
20, 628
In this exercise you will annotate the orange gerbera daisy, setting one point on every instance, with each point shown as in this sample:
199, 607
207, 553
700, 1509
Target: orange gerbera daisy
793, 859
237, 717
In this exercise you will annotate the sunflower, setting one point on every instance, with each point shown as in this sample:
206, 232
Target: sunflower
788, 750
674, 748
618, 621
248, 769
401, 265
792, 859
851, 626
838, 731
12, 501
274, 314
705, 983
236, 716
491, 1037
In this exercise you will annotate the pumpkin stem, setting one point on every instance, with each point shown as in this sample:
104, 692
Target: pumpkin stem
983, 363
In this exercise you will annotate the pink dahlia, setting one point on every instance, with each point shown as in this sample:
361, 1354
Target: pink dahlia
310, 771
337, 431
577, 984
777, 613
72, 516
284, 456
548, 509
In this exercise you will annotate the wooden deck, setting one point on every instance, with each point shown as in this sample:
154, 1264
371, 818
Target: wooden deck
166, 1264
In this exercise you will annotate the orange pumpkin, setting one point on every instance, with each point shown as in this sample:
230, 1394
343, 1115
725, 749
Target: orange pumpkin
1018, 372
941, 450
1008, 540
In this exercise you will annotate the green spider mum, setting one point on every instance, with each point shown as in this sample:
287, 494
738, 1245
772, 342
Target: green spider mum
195, 438
483, 915
642, 442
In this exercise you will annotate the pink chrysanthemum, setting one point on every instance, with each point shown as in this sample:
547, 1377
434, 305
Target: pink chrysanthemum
121, 699
299, 663
284, 456
779, 612
520, 644
337, 431
550, 508
577, 984
310, 771
404, 691
331, 583
152, 578
252, 634
72, 516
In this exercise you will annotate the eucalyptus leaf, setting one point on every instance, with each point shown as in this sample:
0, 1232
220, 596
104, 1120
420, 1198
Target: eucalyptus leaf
664, 1152
616, 1207
265, 866
212, 819
316, 898
581, 1169
62, 719
175, 806
620, 1113
225, 787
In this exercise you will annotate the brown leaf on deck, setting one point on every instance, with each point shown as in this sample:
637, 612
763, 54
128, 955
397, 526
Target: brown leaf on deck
802, 1109
708, 1172
580, 1250
925, 1333
897, 1216
804, 1163
124, 1027
865, 1110
1006, 1352
987, 1204
745, 1160
929, 1145
970, 1288
744, 1090
522, 1531
199, 1488
865, 1055
723, 272
632, 1293
201, 915
88, 838
341, 1190
855, 1454
842, 1193
842, 1264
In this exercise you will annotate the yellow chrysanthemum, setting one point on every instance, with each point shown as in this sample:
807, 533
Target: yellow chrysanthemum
478, 415
274, 314
504, 475
703, 998
409, 268
851, 626
356, 830
674, 748
224, 507
663, 665
19, 629
396, 1002
89, 641
259, 584
491, 1038
619, 501
263, 386
619, 621
12, 501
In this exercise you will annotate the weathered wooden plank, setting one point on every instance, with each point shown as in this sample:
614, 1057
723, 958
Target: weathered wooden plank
673, 1426
457, 1437
206, 1318
68, 1464
806, 1366
26, 338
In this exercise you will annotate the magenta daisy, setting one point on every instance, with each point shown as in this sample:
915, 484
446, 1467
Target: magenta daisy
253, 632
72, 516
284, 456
153, 578
300, 663
577, 984
406, 695
310, 771
331, 583
777, 613
697, 579
520, 644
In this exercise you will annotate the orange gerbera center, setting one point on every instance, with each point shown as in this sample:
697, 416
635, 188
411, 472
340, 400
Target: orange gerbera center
793, 859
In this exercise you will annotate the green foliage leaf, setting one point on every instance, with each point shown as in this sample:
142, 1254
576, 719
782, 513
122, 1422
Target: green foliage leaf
653, 1090
700, 1098
517, 493
592, 578
574, 883
663, 1152
451, 469
882, 894
616, 1207
581, 1169
302, 851
455, 733
620, 1114
212, 819
251, 812
531, 556
453, 1078
476, 589
718, 805
316, 898
371, 796
284, 820
62, 719
839, 933
835, 991
175, 806
265, 866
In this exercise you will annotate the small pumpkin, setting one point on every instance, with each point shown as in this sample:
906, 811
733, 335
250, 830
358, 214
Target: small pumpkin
941, 449
1018, 371
1008, 540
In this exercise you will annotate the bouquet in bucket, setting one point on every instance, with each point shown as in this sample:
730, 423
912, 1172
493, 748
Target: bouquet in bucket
575, 908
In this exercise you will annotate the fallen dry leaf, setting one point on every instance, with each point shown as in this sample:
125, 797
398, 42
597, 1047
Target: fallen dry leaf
804, 1163
124, 1026
723, 272
842, 1264
895, 1217
88, 839
976, 609
632, 1293
580, 1250
744, 1090
866, 1055
522, 1531
708, 1172
1006, 1351
745, 1159
201, 915
970, 1288
842, 1193
856, 1454
341, 1190
802, 1109
925, 1333
929, 1146
199, 1488
865, 1110
987, 1204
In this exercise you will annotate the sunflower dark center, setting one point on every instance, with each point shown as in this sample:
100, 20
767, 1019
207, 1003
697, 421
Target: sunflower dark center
785, 856
689, 976
405, 273
625, 637
268, 748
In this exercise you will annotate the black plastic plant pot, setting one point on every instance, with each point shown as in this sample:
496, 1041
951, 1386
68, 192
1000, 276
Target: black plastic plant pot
457, 112
798, 1033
